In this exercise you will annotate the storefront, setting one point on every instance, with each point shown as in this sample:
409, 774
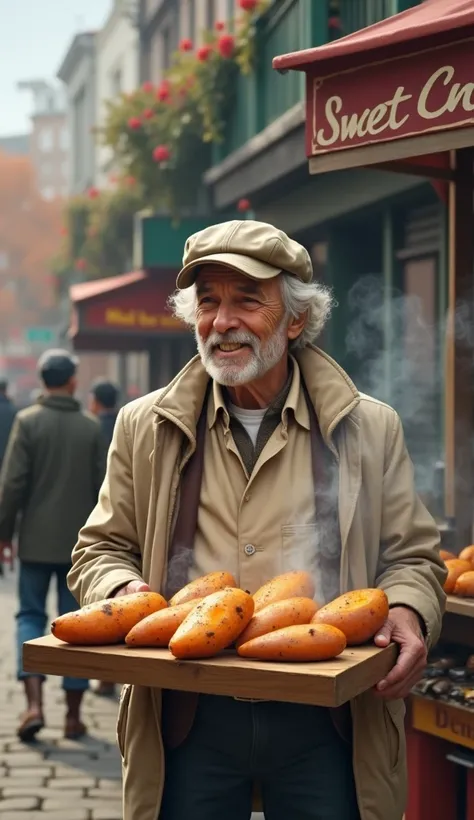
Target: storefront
399, 96
128, 313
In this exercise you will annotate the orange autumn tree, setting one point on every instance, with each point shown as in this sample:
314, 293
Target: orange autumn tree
29, 236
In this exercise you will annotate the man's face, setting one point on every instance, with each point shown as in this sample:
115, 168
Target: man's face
241, 328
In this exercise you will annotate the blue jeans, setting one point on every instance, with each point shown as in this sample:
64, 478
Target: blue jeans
33, 586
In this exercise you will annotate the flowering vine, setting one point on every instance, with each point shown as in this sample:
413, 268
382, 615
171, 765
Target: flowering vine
162, 135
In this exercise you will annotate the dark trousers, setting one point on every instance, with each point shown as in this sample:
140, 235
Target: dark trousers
33, 587
293, 751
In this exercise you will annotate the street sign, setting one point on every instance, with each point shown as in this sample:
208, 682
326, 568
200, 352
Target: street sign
40, 335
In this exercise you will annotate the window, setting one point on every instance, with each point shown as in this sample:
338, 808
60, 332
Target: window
46, 140
210, 14
80, 135
191, 19
64, 138
169, 39
115, 82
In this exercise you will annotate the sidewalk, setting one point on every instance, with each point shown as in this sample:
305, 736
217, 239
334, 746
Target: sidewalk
54, 778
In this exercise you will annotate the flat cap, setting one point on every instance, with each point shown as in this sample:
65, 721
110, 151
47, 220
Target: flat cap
256, 249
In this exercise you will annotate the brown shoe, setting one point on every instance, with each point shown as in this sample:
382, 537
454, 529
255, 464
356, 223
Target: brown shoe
74, 728
32, 721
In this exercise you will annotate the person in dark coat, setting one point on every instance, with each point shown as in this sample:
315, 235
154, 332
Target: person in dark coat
103, 403
7, 416
52, 472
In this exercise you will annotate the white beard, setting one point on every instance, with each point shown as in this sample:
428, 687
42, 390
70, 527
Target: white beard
262, 358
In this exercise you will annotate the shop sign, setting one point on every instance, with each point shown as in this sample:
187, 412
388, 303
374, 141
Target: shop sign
393, 99
138, 319
139, 309
451, 723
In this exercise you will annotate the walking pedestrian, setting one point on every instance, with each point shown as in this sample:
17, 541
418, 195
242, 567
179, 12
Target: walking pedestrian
103, 403
53, 468
262, 456
7, 417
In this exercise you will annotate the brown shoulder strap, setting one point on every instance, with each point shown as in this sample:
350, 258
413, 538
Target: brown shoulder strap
182, 542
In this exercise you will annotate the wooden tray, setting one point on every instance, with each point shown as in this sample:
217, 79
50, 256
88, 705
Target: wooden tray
328, 683
460, 606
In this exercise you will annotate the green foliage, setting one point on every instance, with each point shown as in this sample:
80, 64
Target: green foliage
182, 117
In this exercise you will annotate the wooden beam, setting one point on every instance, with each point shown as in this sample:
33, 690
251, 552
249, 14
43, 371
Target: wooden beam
394, 150
427, 171
459, 488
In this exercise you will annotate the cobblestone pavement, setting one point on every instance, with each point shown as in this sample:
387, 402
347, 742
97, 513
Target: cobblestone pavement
54, 778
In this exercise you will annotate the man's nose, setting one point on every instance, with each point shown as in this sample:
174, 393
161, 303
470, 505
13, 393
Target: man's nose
225, 320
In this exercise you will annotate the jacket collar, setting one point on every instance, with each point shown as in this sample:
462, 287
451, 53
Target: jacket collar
64, 403
331, 390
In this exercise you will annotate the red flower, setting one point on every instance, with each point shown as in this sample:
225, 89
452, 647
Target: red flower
134, 123
147, 87
130, 180
243, 205
164, 91
219, 26
93, 193
335, 23
148, 113
186, 44
203, 53
248, 5
161, 153
226, 45
80, 264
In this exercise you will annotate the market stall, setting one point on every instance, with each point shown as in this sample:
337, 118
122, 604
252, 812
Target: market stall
399, 95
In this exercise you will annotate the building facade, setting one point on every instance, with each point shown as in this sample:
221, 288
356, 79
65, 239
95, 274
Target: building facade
117, 57
78, 73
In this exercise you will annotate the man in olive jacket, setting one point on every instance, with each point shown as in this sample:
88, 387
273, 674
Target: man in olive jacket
53, 469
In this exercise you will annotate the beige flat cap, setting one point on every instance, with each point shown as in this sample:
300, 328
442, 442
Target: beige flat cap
255, 249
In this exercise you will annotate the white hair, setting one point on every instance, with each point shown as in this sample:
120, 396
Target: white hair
311, 298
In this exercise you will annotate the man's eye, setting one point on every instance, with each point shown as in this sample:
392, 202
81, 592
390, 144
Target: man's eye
250, 299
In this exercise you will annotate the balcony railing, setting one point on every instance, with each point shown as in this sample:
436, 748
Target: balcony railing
292, 25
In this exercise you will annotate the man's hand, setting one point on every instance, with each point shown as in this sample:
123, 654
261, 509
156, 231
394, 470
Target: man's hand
403, 627
133, 586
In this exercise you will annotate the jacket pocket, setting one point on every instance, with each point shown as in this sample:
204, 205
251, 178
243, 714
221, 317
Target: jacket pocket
122, 717
394, 715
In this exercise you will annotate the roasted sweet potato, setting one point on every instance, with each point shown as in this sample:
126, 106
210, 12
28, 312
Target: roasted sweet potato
455, 567
213, 624
464, 585
289, 585
158, 628
467, 554
107, 621
359, 614
300, 642
446, 556
206, 585
289, 612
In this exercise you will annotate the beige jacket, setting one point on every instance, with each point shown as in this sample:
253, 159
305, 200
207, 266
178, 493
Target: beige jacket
388, 540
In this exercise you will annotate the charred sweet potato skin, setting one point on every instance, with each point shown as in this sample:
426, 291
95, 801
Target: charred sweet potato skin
213, 625
456, 567
288, 585
107, 621
359, 614
289, 612
464, 586
297, 643
158, 628
206, 585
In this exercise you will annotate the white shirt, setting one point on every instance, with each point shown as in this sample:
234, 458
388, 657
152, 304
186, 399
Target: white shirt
249, 419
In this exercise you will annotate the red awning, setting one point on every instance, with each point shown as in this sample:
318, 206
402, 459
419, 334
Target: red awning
432, 23
87, 290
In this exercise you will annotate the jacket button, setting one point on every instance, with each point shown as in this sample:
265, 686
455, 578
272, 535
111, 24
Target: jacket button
249, 549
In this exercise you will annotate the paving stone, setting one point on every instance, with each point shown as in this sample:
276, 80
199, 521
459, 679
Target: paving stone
72, 814
106, 794
55, 804
77, 782
107, 814
20, 760
13, 782
35, 771
43, 793
19, 804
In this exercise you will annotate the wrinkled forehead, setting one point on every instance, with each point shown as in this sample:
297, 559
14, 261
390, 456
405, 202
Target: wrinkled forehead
219, 277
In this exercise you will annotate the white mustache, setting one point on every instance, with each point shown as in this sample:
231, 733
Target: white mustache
232, 337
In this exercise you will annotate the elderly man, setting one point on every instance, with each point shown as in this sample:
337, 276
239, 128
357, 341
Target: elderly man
259, 457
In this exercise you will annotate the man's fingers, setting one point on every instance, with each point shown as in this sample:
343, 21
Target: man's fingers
411, 654
402, 689
384, 635
133, 586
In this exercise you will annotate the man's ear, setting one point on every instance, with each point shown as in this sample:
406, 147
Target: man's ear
296, 326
